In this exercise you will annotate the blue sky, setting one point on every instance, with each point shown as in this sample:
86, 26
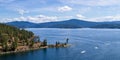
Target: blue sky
39, 11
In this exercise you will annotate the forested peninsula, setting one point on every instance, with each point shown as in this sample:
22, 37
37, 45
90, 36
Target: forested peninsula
13, 39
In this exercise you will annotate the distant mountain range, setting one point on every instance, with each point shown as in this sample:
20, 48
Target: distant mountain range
72, 23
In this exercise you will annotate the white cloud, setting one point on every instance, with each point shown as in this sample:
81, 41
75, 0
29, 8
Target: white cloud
22, 12
100, 19
38, 18
35, 19
105, 18
64, 8
42, 18
80, 16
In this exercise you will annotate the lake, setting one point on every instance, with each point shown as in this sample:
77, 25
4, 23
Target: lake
86, 44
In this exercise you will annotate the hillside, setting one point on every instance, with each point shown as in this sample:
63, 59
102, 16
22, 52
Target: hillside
72, 23
12, 37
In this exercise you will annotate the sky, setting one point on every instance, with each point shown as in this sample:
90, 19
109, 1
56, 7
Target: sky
39, 11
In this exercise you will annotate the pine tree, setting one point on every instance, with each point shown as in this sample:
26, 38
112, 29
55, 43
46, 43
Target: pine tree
45, 42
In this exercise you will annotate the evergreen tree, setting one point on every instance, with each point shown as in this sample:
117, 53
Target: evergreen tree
45, 42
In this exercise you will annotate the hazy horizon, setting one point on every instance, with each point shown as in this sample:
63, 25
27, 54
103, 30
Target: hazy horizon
58, 21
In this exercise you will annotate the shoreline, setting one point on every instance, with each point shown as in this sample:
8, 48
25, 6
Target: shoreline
32, 49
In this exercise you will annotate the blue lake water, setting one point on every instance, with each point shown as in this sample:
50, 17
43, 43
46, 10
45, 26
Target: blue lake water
87, 44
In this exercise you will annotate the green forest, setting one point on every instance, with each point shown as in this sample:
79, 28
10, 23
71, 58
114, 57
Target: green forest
11, 37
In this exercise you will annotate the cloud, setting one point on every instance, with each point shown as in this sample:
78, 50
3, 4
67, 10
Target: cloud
38, 18
42, 18
22, 12
80, 16
105, 18
35, 19
64, 8
99, 19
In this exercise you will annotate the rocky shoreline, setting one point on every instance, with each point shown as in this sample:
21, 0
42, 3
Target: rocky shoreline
25, 49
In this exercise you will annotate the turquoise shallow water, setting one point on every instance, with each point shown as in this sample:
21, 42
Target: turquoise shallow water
87, 44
